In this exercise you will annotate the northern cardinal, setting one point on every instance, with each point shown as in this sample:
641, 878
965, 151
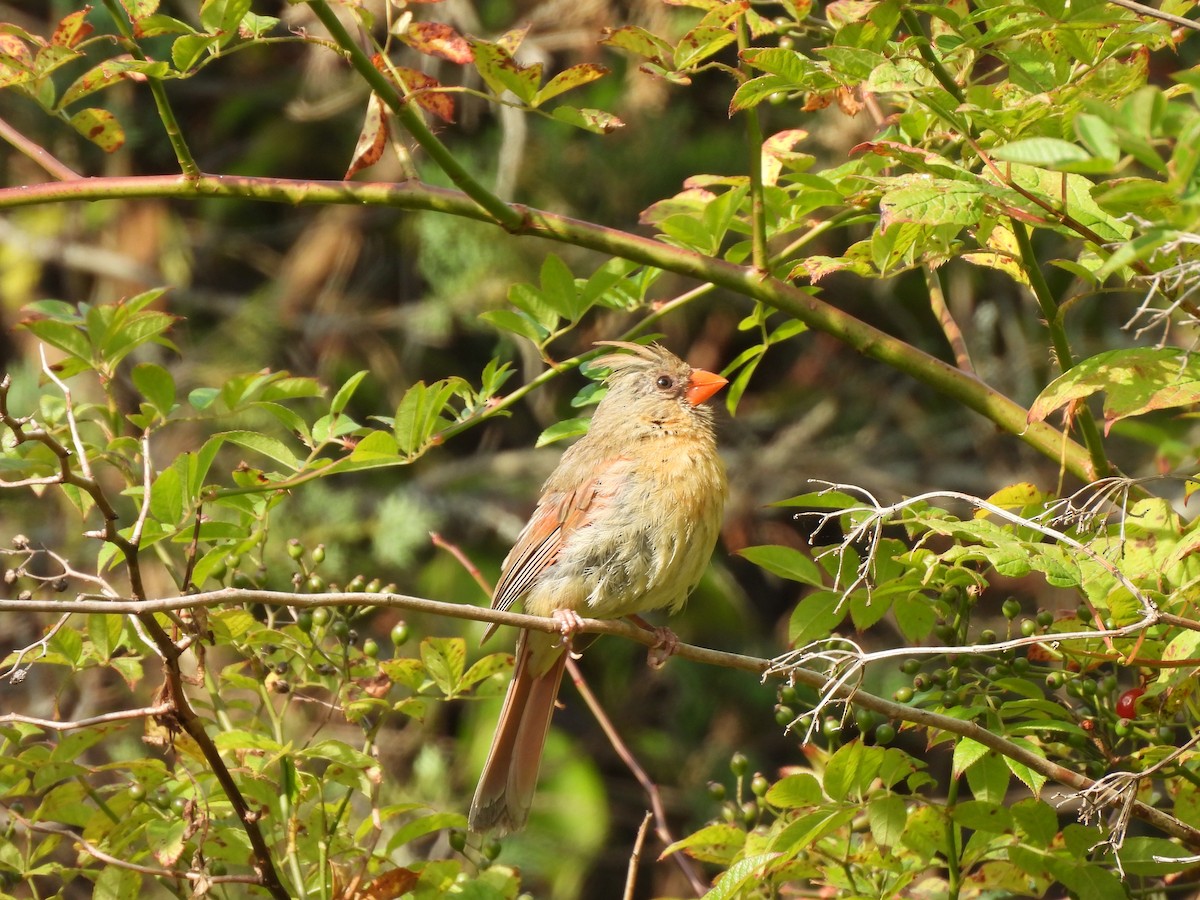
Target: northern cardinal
626, 523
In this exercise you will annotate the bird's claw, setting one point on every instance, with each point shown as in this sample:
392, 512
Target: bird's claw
569, 622
666, 642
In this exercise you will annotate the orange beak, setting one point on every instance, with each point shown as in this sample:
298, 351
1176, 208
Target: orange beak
703, 385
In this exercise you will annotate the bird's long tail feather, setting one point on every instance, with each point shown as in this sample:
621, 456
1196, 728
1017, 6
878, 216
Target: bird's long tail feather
509, 777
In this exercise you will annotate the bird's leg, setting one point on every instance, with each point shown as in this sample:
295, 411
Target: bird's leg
665, 641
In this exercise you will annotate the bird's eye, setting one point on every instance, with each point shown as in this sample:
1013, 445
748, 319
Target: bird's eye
664, 382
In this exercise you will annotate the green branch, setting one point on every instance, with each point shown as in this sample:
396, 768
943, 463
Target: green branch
158, 91
1062, 347
754, 142
413, 122
866, 339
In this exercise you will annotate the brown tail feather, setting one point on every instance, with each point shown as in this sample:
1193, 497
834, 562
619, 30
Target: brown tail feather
509, 777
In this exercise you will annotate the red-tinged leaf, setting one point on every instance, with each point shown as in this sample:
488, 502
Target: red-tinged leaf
16, 62
423, 90
640, 42
53, 57
511, 40
569, 79
138, 9
100, 127
594, 120
372, 138
72, 29
438, 39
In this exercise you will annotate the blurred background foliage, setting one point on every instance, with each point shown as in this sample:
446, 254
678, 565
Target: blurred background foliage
329, 291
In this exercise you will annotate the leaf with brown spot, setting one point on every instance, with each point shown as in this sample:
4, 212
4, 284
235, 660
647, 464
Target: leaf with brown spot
569, 79
438, 39
100, 127
372, 138
139, 9
503, 73
639, 41
72, 29
1134, 382
422, 90
390, 885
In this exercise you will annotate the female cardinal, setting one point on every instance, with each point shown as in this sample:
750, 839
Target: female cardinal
626, 523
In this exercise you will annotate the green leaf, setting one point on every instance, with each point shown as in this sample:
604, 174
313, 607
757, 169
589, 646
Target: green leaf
156, 385
718, 844
501, 72
700, 43
979, 815
931, 201
815, 617
559, 431
798, 791
786, 562
596, 121
569, 79
639, 41
445, 660
268, 446
1051, 153
887, 816
850, 771
518, 323
100, 127
346, 391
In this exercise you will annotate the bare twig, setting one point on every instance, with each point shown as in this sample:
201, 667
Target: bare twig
117, 716
1144, 10
661, 828
40, 155
635, 856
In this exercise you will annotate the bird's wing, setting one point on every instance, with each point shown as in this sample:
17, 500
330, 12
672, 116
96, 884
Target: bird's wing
553, 522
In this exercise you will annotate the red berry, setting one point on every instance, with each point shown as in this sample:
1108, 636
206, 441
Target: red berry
1127, 702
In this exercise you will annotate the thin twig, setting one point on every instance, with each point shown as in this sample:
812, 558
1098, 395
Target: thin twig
1143, 9
120, 715
40, 155
635, 857
954, 335
661, 828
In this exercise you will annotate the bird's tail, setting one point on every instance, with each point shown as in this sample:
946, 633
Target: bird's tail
509, 777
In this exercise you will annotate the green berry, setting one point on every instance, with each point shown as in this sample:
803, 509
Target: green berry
295, 549
784, 715
400, 633
304, 620
458, 840
1028, 627
759, 784
1045, 618
318, 554
716, 791
137, 792
370, 648
321, 616
739, 764
910, 666
885, 734
1011, 608
903, 695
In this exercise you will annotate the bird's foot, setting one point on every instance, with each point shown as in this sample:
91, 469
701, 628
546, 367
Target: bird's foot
666, 642
569, 623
